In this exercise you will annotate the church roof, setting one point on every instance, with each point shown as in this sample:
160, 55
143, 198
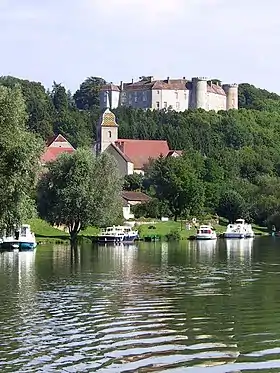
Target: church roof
108, 119
139, 152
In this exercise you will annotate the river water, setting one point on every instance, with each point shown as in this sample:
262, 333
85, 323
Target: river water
180, 307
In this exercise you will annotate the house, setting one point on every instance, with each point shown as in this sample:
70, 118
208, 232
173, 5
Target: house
175, 153
55, 146
131, 155
131, 198
135, 198
179, 94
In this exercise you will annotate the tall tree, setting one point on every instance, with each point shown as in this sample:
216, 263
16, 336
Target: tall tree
176, 182
80, 190
38, 103
87, 96
19, 159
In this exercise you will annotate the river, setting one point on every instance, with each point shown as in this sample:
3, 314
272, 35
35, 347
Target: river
157, 307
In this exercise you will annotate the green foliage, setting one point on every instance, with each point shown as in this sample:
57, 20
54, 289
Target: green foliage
80, 190
19, 162
235, 150
133, 182
176, 181
231, 205
87, 96
152, 209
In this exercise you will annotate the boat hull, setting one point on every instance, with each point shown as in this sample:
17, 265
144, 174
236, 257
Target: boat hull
15, 245
234, 235
205, 237
114, 239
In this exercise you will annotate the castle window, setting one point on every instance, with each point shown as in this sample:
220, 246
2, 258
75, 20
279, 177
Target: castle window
158, 92
135, 96
144, 96
177, 105
109, 134
157, 104
165, 105
185, 95
176, 95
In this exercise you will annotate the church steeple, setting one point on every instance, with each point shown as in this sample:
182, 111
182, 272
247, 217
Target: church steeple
108, 106
107, 129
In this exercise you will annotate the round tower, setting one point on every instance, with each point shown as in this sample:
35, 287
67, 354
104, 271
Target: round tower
199, 86
231, 91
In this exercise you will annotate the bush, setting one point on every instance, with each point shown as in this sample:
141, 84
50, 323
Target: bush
173, 235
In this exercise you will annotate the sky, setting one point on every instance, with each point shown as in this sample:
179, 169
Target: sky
67, 41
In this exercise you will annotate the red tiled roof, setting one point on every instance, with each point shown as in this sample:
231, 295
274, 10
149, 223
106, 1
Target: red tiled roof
135, 196
141, 151
51, 154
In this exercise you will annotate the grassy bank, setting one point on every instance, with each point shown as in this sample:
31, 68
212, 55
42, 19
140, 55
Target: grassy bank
46, 233
163, 230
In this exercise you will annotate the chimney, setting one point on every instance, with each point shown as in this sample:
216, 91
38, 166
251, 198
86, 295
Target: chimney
184, 77
121, 85
168, 79
132, 81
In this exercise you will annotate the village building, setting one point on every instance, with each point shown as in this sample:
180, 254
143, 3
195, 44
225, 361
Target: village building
131, 155
55, 146
130, 199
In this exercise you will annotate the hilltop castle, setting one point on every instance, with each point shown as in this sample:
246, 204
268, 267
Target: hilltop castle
173, 94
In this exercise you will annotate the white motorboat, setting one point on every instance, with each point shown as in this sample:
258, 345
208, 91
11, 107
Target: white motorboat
239, 229
206, 232
22, 239
116, 234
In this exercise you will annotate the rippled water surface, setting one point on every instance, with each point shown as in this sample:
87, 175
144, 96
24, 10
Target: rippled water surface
188, 307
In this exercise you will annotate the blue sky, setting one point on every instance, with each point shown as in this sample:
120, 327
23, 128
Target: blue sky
67, 41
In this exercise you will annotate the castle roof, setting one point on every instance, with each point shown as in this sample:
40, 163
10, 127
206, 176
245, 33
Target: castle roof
110, 87
166, 84
140, 152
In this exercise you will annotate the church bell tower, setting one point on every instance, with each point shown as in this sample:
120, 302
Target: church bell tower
107, 129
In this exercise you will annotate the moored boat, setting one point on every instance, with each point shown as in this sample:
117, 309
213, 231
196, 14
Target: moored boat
239, 229
22, 239
117, 234
206, 232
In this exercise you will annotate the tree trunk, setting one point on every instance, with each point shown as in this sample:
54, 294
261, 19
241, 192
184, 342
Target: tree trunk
74, 229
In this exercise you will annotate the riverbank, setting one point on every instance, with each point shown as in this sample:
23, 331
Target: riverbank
154, 230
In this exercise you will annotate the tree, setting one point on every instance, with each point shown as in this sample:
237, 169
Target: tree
38, 104
80, 190
133, 182
20, 151
176, 182
87, 96
231, 205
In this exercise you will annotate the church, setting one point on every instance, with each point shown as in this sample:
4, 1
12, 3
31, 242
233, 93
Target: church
131, 155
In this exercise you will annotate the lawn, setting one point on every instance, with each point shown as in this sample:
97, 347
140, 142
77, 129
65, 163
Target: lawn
44, 232
161, 229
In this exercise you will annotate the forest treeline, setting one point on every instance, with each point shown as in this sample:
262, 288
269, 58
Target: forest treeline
231, 159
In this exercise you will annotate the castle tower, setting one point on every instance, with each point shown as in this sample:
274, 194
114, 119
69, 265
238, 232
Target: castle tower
107, 129
231, 91
199, 92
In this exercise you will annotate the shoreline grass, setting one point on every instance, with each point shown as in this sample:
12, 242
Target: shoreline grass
45, 233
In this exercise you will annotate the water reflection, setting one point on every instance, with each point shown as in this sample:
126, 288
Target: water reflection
239, 249
172, 307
